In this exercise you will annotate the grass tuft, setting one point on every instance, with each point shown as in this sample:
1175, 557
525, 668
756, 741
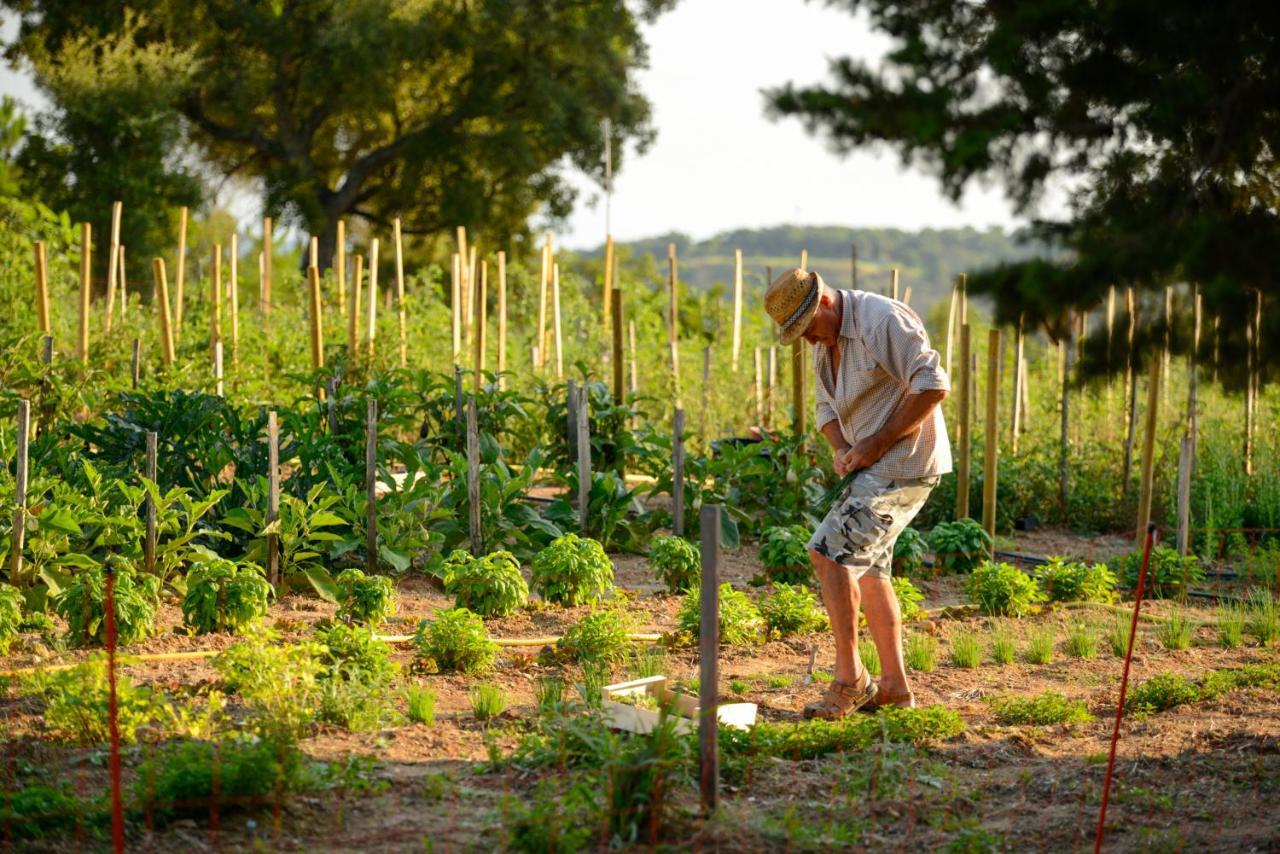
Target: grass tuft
422, 704
870, 656
488, 701
1176, 630
966, 649
1040, 644
1002, 647
1081, 641
921, 652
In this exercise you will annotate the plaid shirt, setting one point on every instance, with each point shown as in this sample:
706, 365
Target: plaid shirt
884, 357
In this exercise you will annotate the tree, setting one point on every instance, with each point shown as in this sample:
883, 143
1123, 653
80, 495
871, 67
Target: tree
1163, 117
443, 113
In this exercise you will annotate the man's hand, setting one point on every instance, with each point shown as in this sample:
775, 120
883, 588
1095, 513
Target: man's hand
858, 456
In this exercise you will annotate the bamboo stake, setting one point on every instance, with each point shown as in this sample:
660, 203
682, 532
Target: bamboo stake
353, 319
991, 454
771, 392
340, 268
1064, 473
86, 261
317, 320
797, 386
264, 293
544, 285
502, 320
162, 310
20, 494
481, 323
853, 265
893, 284
180, 274
1111, 324
455, 307
906, 296
706, 388
677, 473
804, 259
1248, 397
962, 433
1130, 391
124, 290
233, 294
635, 372
737, 307
372, 297
1185, 463
1193, 369
217, 368
313, 256
1168, 339
1149, 446
215, 299
619, 388
964, 297
951, 323
42, 288
113, 261
468, 311
555, 292
608, 281
1016, 421
404, 332
759, 388
673, 309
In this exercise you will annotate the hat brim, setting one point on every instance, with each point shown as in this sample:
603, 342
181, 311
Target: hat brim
800, 326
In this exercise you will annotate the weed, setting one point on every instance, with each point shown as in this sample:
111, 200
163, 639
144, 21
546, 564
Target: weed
646, 663
456, 640
548, 693
1040, 644
921, 652
676, 562
737, 686
740, 620
1003, 590
421, 701
357, 704
1002, 647
1230, 620
1176, 630
364, 598
490, 586
792, 611
966, 650
870, 656
1118, 635
76, 703
572, 571
1044, 709
594, 677
780, 681
812, 739
598, 637
1162, 692
488, 701
1081, 641
1264, 616
823, 676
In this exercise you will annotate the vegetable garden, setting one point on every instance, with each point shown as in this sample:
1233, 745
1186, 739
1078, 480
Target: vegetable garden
263, 588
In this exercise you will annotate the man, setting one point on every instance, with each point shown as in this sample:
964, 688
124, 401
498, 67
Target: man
879, 385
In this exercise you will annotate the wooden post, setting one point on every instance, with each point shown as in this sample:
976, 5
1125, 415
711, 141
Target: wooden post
853, 265
1130, 391
1064, 439
113, 261
373, 297
353, 319
1111, 325
162, 310
759, 388
1253, 345
233, 295
1217, 321
584, 459
371, 483
273, 497
404, 331
217, 368
1015, 422
1193, 369
468, 311
571, 416
737, 306
42, 288
991, 454
502, 320
906, 296
215, 299
1168, 341
459, 404
20, 494
264, 295
1185, 460
1149, 446
619, 384
180, 274
149, 544
771, 385
951, 324
340, 268
317, 319
963, 429
135, 363
677, 475
708, 656
893, 284
473, 479
313, 252
706, 388
797, 386
804, 259
635, 371
555, 291
455, 307
481, 321
544, 285
673, 303
86, 261
607, 288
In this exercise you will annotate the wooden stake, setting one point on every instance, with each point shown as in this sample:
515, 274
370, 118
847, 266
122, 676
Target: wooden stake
1015, 422
635, 373
135, 363
481, 322
584, 460
180, 274
1111, 325
113, 261
19, 531
340, 268
313, 256
372, 299
468, 312
233, 295
906, 296
893, 284
162, 310
555, 291
853, 266
1193, 416
42, 288
264, 285
1130, 391
797, 386
455, 307
86, 284
1064, 439
964, 297
677, 474
473, 480
771, 387
149, 543
317, 320
951, 324
619, 384
673, 309
607, 286
273, 498
706, 388
1149, 446
804, 259
544, 285
353, 319
708, 657
502, 320
1185, 461
737, 308
759, 388
964, 428
217, 368
215, 300
1248, 397
370, 480
991, 454
404, 331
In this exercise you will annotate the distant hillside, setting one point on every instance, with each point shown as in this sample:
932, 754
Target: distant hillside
928, 260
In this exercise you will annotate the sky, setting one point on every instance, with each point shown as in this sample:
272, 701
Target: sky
718, 162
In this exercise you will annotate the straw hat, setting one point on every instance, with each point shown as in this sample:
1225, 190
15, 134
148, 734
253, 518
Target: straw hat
792, 301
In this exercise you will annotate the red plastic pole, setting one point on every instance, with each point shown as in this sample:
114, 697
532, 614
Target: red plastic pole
1124, 686
117, 806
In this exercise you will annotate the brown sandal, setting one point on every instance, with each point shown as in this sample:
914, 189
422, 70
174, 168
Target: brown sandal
885, 701
840, 700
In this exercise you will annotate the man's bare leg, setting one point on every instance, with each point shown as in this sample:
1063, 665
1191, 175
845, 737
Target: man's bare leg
841, 596
884, 621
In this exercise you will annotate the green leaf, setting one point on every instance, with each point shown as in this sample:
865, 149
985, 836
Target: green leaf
322, 582
401, 562
59, 519
75, 560
325, 519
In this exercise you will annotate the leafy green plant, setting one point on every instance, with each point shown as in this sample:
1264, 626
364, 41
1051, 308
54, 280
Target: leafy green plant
76, 703
908, 553
784, 554
491, 586
36, 811
1002, 647
1162, 692
456, 640
909, 598
676, 562
792, 611
966, 650
488, 701
921, 652
1040, 644
548, 694
1176, 630
1003, 590
279, 683
1046, 709
83, 604
646, 663
185, 777
1230, 620
1076, 581
357, 704
302, 528
421, 701
572, 571
10, 615
224, 596
870, 656
367, 599
1081, 641
354, 653
740, 620
812, 739
959, 546
599, 637
1264, 616
1169, 575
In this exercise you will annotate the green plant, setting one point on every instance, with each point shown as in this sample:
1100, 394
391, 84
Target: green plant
909, 598
367, 599
357, 704
784, 554
676, 562
812, 739
1081, 641
186, 777
598, 637
1162, 692
421, 702
959, 546
921, 652
82, 604
646, 663
491, 586
595, 675
1043, 709
488, 701
302, 531
1118, 636
908, 553
1169, 575
10, 615
1176, 630
1075, 581
740, 620
36, 811
1001, 644
76, 703
792, 611
456, 640
549, 694
1230, 620
966, 650
572, 571
1003, 590
354, 653
279, 683
870, 656
1264, 616
1040, 644
224, 596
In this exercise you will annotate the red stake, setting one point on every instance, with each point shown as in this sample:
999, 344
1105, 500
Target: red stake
1124, 686
117, 806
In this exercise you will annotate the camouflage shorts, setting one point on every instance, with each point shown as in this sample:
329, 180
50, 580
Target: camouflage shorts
861, 527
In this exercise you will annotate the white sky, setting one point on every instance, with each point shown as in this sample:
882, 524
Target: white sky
717, 162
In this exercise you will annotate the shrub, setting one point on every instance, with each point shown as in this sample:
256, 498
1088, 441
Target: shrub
959, 546
740, 620
966, 651
1044, 709
908, 553
456, 640
1176, 630
1264, 616
10, 615
358, 704
1162, 692
909, 598
921, 652
572, 571
598, 637
676, 562
1081, 641
367, 599
76, 703
224, 596
1074, 581
1168, 574
1003, 590
488, 701
1001, 644
82, 605
792, 611
421, 701
35, 811
1040, 644
355, 653
784, 554
279, 683
491, 586
183, 777
870, 656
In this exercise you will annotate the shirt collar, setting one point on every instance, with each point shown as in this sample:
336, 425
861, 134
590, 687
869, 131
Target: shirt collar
848, 310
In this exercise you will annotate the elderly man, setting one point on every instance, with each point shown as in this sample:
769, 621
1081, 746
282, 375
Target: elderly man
879, 386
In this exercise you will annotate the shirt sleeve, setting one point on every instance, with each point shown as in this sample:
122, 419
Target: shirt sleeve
826, 411
900, 345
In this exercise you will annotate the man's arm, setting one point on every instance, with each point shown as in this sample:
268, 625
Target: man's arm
831, 430
905, 420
